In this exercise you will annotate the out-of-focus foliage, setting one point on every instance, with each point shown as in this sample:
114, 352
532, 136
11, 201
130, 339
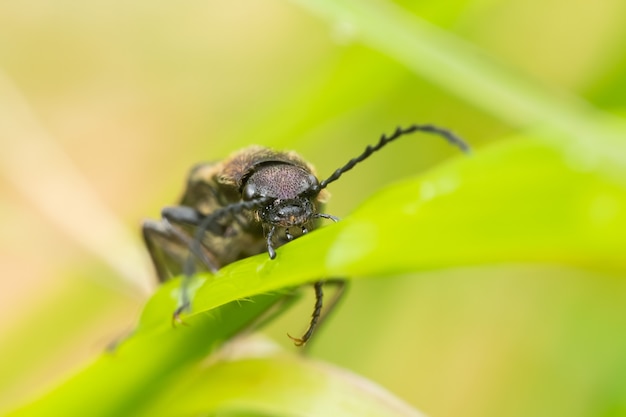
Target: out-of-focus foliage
104, 106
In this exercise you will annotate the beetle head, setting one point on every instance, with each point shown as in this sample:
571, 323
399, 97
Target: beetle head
289, 192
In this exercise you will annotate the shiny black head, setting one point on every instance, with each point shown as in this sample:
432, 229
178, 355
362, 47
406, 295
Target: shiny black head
288, 192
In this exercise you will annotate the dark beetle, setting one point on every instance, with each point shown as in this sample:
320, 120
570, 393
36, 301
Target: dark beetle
255, 200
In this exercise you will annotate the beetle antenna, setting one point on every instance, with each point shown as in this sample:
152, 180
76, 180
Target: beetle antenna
384, 139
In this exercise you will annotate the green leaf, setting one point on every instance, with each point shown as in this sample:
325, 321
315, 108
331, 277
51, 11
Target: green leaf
527, 200
127, 379
276, 385
163, 371
523, 201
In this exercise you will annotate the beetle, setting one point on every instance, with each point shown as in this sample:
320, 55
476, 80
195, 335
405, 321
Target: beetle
254, 201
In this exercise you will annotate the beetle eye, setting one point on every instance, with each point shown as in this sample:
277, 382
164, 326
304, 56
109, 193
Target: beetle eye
250, 192
313, 187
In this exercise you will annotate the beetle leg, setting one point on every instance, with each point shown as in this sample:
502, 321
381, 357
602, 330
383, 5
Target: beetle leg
327, 216
168, 247
317, 318
270, 245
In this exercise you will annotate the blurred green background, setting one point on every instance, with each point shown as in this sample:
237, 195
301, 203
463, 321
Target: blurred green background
105, 105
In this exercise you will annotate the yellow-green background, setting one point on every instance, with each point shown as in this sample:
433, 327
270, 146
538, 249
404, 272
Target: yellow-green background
122, 98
